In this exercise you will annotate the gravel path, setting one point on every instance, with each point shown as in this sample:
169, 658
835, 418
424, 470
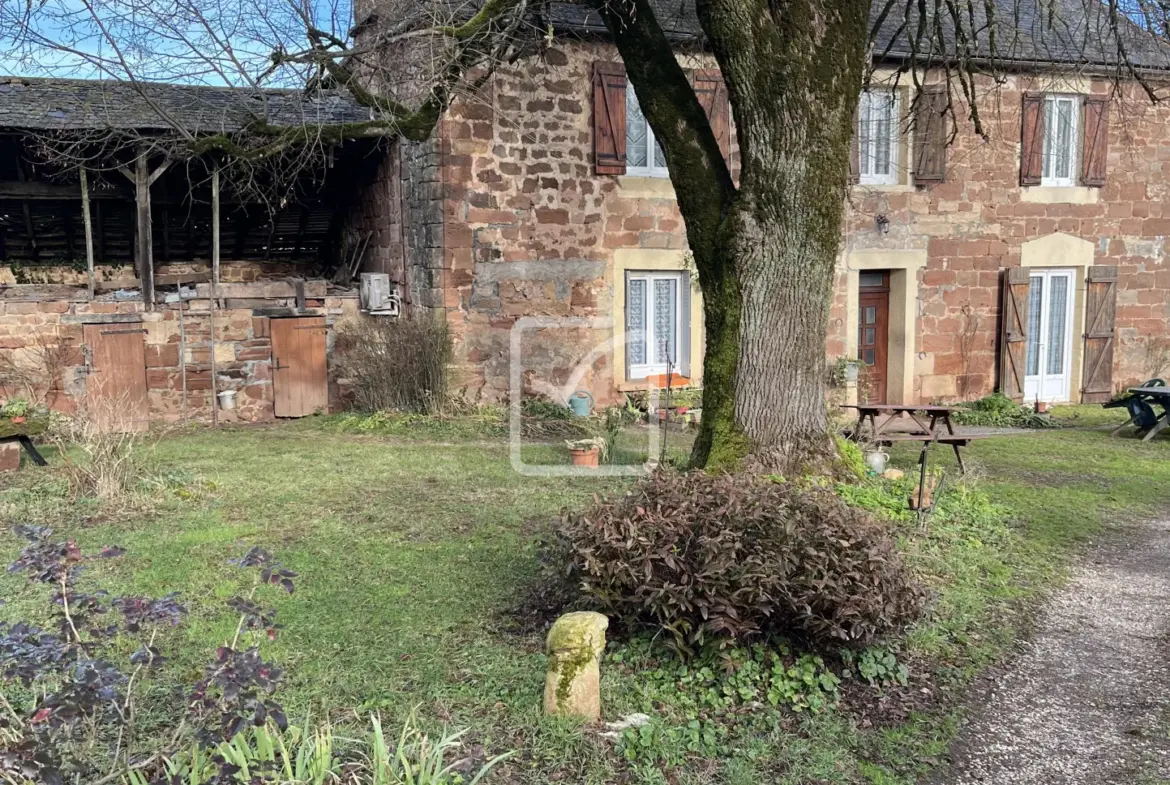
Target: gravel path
1087, 702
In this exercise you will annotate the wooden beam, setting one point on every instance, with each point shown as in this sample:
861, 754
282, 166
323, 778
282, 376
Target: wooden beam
214, 235
88, 223
35, 190
145, 257
159, 280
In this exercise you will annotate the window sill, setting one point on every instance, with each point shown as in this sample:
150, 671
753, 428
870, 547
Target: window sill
861, 189
644, 187
1053, 194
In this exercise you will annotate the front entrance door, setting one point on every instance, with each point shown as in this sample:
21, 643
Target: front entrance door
300, 379
1049, 349
873, 334
115, 387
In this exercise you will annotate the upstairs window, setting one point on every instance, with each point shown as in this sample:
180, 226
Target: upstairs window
1061, 141
643, 155
877, 137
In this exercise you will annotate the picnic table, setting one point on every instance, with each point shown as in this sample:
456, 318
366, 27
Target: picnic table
1159, 395
934, 426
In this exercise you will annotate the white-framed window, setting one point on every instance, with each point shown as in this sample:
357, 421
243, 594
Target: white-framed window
878, 137
1061, 140
657, 323
643, 155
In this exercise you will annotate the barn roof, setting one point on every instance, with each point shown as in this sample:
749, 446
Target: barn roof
75, 104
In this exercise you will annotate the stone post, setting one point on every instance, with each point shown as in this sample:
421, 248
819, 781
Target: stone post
572, 684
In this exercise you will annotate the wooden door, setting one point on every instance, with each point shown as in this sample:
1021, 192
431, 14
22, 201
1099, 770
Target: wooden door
1013, 334
299, 375
115, 388
1100, 317
873, 334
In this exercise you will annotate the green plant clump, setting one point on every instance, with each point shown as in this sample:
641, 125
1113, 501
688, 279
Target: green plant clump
999, 411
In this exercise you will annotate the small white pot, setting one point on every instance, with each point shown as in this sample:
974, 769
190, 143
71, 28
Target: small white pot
227, 399
876, 460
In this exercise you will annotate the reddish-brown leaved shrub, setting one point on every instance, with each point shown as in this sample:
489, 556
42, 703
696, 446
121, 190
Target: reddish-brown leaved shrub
707, 556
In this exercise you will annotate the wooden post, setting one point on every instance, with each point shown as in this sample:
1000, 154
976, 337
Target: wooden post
215, 232
143, 178
85, 219
145, 255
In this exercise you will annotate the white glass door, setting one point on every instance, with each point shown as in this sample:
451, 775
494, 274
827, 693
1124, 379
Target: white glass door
1049, 355
653, 323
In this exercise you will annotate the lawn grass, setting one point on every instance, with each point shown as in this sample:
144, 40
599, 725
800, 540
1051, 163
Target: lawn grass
413, 548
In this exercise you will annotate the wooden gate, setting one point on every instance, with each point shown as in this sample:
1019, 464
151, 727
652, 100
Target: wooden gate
115, 389
1100, 315
300, 378
1013, 337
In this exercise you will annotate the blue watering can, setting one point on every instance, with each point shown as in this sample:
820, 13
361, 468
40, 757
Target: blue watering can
581, 402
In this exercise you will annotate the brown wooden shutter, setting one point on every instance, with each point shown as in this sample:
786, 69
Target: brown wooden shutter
712, 94
1032, 140
1095, 141
855, 147
609, 118
930, 135
1100, 317
1013, 337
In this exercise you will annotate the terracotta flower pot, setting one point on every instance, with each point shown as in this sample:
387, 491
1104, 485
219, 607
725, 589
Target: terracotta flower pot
20, 418
1041, 407
586, 457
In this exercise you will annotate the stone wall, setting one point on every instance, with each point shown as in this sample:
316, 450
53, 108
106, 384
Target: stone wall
530, 230
979, 221
35, 320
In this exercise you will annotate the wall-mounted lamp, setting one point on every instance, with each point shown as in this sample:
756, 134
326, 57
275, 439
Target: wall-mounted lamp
882, 223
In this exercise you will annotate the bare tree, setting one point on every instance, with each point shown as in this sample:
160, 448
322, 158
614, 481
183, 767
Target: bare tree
765, 246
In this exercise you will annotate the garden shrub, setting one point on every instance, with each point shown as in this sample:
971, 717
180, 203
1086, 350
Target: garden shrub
394, 364
705, 557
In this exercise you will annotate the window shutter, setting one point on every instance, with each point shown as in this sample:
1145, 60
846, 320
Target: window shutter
1013, 336
609, 118
1094, 141
712, 94
930, 135
1032, 140
1100, 318
854, 146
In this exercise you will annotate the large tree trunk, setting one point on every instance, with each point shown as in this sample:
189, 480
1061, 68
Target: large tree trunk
766, 252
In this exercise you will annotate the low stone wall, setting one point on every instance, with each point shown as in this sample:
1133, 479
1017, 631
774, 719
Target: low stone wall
41, 323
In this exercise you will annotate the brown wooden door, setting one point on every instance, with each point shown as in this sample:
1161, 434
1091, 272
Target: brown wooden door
299, 377
115, 389
873, 334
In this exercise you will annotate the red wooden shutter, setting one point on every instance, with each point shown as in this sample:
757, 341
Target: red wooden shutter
1013, 336
609, 118
930, 135
1032, 140
1100, 316
712, 94
1095, 141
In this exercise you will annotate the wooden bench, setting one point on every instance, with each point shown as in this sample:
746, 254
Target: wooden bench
954, 440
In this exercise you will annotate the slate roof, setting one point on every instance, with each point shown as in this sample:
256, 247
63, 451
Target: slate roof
73, 104
1064, 32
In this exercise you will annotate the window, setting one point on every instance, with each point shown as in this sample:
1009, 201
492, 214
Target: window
643, 155
1060, 141
877, 137
657, 323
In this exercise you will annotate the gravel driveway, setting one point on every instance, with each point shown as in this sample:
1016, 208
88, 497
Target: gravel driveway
1087, 701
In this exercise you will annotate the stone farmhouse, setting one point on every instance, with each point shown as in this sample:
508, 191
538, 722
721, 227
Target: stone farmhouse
540, 222
544, 196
